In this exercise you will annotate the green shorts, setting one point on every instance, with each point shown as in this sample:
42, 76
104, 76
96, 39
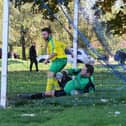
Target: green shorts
57, 65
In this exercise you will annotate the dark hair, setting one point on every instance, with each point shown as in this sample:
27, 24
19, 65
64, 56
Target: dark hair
47, 29
90, 69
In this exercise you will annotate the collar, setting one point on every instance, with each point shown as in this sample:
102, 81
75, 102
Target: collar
50, 38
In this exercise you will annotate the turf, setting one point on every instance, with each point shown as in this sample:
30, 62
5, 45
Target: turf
107, 107
65, 116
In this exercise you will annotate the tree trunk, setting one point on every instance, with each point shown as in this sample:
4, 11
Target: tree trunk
10, 53
23, 48
23, 32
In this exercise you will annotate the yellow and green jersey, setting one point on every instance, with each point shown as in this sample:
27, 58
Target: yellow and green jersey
56, 47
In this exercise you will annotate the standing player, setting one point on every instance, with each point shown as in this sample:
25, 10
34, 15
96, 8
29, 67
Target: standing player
56, 52
32, 56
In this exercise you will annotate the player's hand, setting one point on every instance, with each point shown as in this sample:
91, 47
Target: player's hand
46, 61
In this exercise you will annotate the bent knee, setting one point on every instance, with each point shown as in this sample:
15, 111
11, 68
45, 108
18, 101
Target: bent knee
50, 74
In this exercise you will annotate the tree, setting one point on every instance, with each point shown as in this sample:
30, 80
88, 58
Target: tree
23, 32
117, 24
50, 7
47, 7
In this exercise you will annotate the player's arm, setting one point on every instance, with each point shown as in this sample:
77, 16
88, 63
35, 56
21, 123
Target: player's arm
50, 57
52, 54
72, 71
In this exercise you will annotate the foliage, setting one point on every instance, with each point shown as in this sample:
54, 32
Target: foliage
33, 22
32, 17
50, 7
117, 24
47, 7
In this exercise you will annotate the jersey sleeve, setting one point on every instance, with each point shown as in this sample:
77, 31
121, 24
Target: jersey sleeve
73, 71
48, 50
54, 50
53, 47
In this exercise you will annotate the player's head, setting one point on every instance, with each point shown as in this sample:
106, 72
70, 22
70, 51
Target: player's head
88, 70
46, 33
33, 43
59, 75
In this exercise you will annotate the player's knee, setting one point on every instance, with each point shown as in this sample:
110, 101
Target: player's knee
49, 93
50, 74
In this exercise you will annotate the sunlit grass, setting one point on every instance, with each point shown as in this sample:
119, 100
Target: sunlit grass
84, 110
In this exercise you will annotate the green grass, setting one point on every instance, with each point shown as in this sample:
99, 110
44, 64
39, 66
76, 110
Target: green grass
84, 110
65, 116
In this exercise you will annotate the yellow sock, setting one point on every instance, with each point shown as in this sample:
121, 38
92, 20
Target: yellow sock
49, 84
52, 84
56, 84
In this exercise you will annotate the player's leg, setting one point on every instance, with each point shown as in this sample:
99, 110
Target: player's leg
52, 84
32, 96
36, 64
57, 66
50, 81
31, 64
